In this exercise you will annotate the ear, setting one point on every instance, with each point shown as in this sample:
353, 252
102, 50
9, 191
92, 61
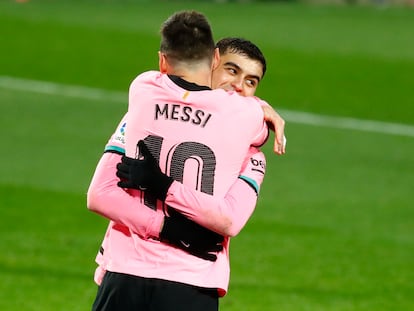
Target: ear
216, 59
162, 62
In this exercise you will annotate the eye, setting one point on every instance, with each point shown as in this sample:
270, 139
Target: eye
251, 82
232, 71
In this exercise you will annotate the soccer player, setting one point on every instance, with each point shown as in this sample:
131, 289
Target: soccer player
121, 238
241, 67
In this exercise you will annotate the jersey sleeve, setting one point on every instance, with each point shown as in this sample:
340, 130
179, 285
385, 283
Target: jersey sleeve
263, 130
227, 215
105, 198
116, 144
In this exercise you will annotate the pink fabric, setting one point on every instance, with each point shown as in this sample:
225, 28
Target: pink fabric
237, 122
226, 215
107, 199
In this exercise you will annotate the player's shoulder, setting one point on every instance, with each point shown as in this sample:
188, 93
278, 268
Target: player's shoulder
237, 99
116, 142
146, 76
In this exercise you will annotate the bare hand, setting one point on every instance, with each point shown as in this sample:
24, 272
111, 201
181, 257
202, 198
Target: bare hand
276, 124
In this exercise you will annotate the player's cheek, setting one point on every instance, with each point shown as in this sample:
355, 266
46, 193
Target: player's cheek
248, 91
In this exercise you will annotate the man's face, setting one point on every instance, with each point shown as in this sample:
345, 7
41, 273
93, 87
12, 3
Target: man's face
238, 73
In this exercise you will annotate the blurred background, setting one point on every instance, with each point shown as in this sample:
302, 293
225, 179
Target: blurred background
334, 225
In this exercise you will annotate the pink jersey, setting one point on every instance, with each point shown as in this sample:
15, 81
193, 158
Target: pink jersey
126, 250
224, 215
126, 214
200, 137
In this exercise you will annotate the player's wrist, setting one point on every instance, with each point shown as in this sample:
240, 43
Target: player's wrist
156, 226
161, 185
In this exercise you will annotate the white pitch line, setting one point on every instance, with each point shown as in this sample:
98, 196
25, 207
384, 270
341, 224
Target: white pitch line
66, 90
52, 88
348, 123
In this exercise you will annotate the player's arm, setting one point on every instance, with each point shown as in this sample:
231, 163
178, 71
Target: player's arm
105, 198
226, 215
276, 123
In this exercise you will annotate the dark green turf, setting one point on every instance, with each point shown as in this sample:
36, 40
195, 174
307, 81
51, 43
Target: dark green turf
333, 229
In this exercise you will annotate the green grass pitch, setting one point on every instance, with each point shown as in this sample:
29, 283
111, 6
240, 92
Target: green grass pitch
334, 226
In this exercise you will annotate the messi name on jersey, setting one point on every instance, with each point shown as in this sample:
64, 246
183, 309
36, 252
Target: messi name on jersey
182, 113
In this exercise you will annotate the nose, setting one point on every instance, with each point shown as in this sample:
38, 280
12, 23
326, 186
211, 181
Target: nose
237, 85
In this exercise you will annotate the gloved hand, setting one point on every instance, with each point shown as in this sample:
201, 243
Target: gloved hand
143, 173
189, 236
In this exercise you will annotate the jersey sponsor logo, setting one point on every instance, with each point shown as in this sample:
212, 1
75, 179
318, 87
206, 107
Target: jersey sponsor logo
182, 113
119, 135
258, 165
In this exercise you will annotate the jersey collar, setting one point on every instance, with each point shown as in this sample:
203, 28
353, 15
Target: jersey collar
188, 85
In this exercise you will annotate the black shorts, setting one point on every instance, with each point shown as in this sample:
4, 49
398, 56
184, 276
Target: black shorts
132, 293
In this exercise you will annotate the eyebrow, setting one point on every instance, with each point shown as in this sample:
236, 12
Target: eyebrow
239, 68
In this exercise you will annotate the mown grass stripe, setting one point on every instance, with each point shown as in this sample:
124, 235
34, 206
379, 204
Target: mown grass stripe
300, 117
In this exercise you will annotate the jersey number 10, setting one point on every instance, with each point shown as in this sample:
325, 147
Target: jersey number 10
200, 155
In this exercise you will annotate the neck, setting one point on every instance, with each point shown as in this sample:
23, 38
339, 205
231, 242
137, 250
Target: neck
197, 78
199, 74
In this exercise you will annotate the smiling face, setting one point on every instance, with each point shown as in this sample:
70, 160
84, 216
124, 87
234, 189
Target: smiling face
237, 72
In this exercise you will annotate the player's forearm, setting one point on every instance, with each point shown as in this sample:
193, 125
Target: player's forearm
105, 198
263, 129
226, 216
277, 124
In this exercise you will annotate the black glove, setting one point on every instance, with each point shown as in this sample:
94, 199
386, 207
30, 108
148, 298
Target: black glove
189, 236
143, 173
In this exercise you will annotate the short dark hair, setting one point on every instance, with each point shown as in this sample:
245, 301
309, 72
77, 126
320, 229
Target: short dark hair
243, 47
187, 36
